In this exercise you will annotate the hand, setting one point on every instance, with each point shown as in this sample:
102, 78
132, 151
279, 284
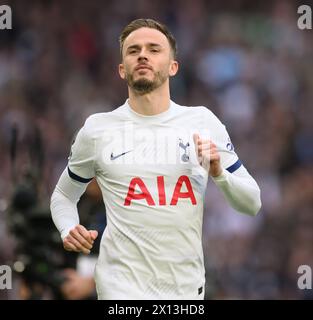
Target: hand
80, 239
208, 156
76, 286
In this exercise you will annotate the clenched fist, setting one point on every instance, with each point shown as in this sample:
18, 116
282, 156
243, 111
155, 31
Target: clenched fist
208, 156
80, 239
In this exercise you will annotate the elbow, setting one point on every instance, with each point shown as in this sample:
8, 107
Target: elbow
251, 206
255, 205
252, 209
53, 200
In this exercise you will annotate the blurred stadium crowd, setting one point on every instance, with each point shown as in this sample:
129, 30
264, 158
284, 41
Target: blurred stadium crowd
245, 60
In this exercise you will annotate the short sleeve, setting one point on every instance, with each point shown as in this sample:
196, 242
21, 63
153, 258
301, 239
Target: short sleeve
221, 138
81, 159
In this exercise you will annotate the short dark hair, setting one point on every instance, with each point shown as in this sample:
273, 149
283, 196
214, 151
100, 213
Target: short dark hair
148, 23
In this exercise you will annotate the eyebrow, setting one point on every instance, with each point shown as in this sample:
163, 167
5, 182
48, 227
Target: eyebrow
137, 46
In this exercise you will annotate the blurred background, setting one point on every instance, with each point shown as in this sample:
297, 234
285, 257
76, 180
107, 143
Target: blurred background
245, 60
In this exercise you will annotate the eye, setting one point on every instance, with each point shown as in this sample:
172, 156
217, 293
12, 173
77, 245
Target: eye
154, 50
132, 51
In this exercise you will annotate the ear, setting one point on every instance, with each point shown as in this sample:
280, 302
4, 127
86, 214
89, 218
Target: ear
121, 71
173, 68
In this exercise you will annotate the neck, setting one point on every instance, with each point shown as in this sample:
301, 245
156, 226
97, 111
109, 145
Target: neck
152, 103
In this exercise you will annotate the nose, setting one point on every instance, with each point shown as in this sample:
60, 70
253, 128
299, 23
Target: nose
142, 55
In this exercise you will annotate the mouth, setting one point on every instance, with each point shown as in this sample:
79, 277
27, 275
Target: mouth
143, 67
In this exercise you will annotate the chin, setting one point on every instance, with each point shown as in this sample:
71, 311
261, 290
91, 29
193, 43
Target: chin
140, 78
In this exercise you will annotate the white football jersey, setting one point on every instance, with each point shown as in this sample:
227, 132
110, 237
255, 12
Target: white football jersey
153, 188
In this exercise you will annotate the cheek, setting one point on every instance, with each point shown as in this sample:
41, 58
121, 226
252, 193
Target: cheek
161, 66
128, 65
168, 69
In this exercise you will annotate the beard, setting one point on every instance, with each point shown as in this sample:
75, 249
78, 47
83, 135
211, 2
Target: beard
143, 85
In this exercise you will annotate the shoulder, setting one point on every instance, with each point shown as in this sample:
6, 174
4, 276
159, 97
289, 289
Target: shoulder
188, 109
103, 118
102, 121
200, 111
212, 118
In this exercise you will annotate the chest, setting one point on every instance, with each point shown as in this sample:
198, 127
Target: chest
130, 150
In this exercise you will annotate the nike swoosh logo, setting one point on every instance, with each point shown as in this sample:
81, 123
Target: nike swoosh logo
119, 155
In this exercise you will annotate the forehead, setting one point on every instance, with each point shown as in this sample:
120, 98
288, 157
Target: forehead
144, 36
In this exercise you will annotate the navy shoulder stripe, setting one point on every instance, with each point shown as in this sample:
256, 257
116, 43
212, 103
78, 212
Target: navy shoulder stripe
234, 167
76, 177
